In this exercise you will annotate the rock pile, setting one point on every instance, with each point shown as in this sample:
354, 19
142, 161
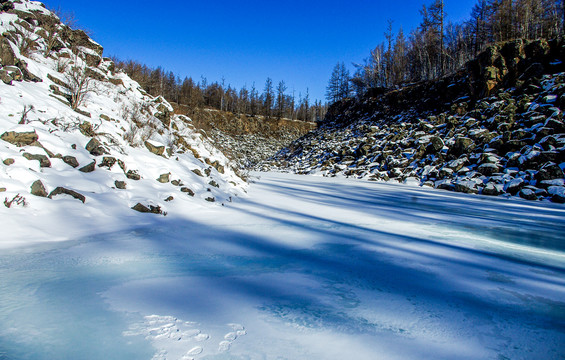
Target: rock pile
509, 142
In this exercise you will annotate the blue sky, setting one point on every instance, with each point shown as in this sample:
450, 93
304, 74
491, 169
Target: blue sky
247, 41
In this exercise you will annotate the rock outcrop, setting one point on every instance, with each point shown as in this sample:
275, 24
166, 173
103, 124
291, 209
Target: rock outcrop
495, 128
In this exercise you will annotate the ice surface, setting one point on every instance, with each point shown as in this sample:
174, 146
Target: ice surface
302, 268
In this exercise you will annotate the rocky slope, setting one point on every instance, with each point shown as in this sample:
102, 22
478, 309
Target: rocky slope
245, 139
74, 129
494, 128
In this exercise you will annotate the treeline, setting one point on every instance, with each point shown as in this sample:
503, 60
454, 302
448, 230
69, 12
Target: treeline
437, 47
272, 102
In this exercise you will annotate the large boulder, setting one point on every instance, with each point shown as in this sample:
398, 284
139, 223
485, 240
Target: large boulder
462, 145
71, 161
20, 138
38, 189
435, 145
155, 148
88, 168
94, 147
43, 159
61, 190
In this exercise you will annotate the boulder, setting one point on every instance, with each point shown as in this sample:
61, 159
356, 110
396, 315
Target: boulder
141, 208
197, 172
557, 194
88, 168
8, 161
20, 138
133, 175
549, 171
154, 148
164, 178
5, 77
528, 194
187, 191
62, 190
466, 186
214, 184
493, 189
514, 186
120, 184
169, 198
144, 209
95, 148
108, 161
463, 145
38, 189
71, 161
43, 159
435, 145
210, 199
488, 169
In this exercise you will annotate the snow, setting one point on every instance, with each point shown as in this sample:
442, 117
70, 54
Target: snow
302, 267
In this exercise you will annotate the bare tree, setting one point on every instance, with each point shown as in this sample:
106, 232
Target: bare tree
79, 84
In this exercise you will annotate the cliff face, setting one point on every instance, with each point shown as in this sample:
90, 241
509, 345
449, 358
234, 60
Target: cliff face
72, 128
494, 128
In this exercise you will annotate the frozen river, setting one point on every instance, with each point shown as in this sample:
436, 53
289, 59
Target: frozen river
301, 268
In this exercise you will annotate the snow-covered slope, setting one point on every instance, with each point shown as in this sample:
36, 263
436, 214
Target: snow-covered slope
87, 168
502, 135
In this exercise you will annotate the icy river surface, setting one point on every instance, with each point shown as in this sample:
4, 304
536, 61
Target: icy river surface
301, 268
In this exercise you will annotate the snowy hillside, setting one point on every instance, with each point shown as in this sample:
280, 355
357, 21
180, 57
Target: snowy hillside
496, 128
83, 144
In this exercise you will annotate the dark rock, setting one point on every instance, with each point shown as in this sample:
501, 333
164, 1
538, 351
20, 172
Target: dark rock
170, 198
144, 209
557, 194
120, 184
62, 190
514, 186
214, 184
187, 190
210, 199
549, 171
463, 145
488, 169
95, 148
88, 168
86, 129
468, 187
38, 189
155, 149
164, 178
198, 172
435, 145
141, 208
8, 161
20, 139
133, 175
176, 182
43, 159
71, 161
528, 194
493, 189
108, 161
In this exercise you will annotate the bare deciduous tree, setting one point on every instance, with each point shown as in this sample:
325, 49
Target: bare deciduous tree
79, 84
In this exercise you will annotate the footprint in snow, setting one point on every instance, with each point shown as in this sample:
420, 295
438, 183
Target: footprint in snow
230, 337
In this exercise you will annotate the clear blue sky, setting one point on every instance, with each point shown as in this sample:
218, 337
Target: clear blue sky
298, 41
